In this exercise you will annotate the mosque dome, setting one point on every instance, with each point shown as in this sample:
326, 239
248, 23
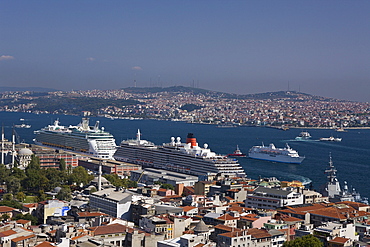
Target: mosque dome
201, 227
25, 151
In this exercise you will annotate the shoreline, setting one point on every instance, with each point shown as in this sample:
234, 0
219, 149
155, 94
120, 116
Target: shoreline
223, 125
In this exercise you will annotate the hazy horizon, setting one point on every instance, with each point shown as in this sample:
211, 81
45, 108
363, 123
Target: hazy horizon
243, 47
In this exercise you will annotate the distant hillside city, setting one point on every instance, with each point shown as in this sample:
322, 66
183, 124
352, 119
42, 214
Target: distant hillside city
281, 109
74, 187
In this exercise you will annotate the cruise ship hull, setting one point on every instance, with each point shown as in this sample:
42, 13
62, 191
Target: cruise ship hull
271, 153
88, 141
172, 158
277, 158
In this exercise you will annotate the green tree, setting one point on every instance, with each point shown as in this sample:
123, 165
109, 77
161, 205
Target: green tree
34, 163
5, 217
168, 186
80, 175
64, 194
18, 173
20, 196
305, 241
4, 173
127, 183
56, 178
13, 184
27, 216
8, 197
115, 180
62, 164
41, 196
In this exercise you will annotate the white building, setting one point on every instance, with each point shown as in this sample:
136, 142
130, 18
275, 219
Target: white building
116, 203
270, 198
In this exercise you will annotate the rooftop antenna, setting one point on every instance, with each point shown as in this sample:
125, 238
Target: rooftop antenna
288, 86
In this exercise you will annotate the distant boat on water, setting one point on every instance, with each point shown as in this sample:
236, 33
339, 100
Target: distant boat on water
271, 153
331, 139
23, 125
237, 153
304, 135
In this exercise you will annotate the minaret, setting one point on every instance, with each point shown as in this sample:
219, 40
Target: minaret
99, 175
13, 147
2, 145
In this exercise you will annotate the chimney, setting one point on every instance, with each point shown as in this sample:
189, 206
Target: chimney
191, 139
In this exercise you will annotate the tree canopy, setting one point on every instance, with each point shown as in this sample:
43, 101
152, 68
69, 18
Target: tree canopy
305, 241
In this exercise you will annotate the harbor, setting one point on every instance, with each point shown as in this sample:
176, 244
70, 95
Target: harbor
352, 152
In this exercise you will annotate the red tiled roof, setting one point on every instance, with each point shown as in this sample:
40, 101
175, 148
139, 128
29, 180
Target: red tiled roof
258, 233
254, 232
79, 236
227, 217
339, 240
5, 209
23, 221
227, 228
7, 233
15, 240
30, 205
111, 229
187, 208
89, 214
45, 244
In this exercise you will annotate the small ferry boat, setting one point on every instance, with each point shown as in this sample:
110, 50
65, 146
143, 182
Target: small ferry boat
304, 135
23, 125
331, 139
237, 153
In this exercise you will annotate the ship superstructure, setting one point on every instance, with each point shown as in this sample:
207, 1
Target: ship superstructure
333, 190
186, 157
271, 153
82, 138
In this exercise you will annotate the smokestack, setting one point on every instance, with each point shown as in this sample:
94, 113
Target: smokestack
99, 175
191, 139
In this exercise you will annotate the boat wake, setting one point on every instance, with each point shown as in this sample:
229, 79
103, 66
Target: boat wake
294, 140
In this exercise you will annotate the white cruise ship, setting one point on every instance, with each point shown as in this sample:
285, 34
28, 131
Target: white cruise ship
271, 153
81, 138
177, 156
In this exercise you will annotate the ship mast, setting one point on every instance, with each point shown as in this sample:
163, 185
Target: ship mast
331, 172
332, 186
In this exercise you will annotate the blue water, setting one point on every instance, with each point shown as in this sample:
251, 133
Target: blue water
351, 156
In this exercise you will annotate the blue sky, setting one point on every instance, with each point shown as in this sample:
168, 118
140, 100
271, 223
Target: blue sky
317, 47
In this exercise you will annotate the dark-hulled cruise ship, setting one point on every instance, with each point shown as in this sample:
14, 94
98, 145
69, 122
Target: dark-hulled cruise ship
81, 138
177, 156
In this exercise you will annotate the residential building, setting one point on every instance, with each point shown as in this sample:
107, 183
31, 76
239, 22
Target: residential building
270, 198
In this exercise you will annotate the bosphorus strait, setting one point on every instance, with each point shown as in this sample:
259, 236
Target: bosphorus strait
350, 156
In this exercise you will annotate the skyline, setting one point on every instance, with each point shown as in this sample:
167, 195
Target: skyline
243, 47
